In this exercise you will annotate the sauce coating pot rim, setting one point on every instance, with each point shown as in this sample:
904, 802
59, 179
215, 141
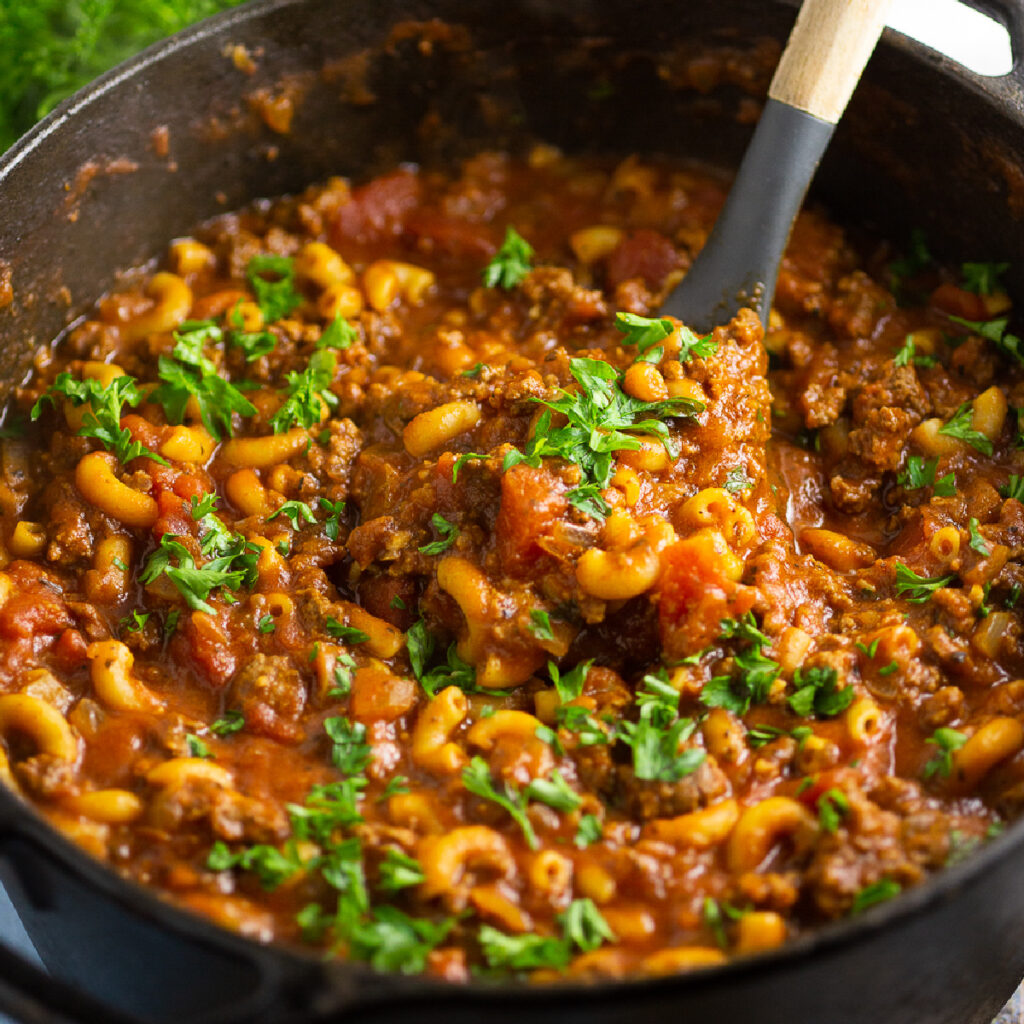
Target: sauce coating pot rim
343, 984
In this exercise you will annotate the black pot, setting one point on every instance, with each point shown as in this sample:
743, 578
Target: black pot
89, 191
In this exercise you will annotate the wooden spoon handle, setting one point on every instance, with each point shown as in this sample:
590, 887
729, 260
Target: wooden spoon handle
826, 53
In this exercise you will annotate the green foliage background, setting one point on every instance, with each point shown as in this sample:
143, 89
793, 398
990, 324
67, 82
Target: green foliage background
50, 48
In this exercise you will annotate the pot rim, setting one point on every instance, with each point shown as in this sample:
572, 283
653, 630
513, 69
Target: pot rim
21, 822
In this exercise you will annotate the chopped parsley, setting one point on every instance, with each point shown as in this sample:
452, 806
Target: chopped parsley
569, 685
476, 777
230, 722
511, 263
555, 792
134, 622
191, 375
920, 472
307, 393
462, 460
878, 892
103, 418
347, 634
918, 589
339, 334
946, 741
753, 671
272, 279
588, 831
983, 278
334, 510
960, 427
598, 415
196, 747
737, 481
540, 625
816, 693
977, 542
833, 806
917, 259
233, 566
583, 927
644, 334
583, 725
253, 343
266, 624
1013, 488
399, 871
907, 353
656, 736
294, 511
448, 533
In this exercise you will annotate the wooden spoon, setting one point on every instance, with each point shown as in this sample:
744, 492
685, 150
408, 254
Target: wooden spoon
823, 60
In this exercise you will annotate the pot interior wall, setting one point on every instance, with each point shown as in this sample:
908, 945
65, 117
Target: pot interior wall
430, 81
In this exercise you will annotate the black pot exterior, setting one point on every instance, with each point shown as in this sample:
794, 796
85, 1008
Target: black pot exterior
93, 190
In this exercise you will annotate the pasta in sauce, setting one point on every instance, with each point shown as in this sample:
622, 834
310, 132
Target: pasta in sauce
383, 575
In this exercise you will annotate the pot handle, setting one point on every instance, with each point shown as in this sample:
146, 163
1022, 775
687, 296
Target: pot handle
1009, 14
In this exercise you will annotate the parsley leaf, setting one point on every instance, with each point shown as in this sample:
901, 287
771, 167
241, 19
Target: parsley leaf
540, 625
737, 481
272, 278
230, 722
947, 740
195, 583
918, 258
588, 832
816, 693
833, 806
960, 427
878, 892
334, 510
522, 952
347, 634
399, 871
462, 460
753, 671
350, 753
476, 777
569, 685
919, 472
306, 394
598, 414
294, 510
918, 589
339, 334
584, 927
196, 747
1013, 488
135, 622
190, 374
983, 278
102, 420
511, 263
555, 792
977, 542
448, 534
642, 331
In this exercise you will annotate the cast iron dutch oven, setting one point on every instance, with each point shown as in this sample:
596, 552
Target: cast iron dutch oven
93, 189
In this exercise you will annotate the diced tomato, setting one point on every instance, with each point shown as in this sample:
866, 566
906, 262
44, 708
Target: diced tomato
696, 593
644, 253
957, 302
32, 611
175, 516
377, 209
437, 232
69, 650
532, 501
